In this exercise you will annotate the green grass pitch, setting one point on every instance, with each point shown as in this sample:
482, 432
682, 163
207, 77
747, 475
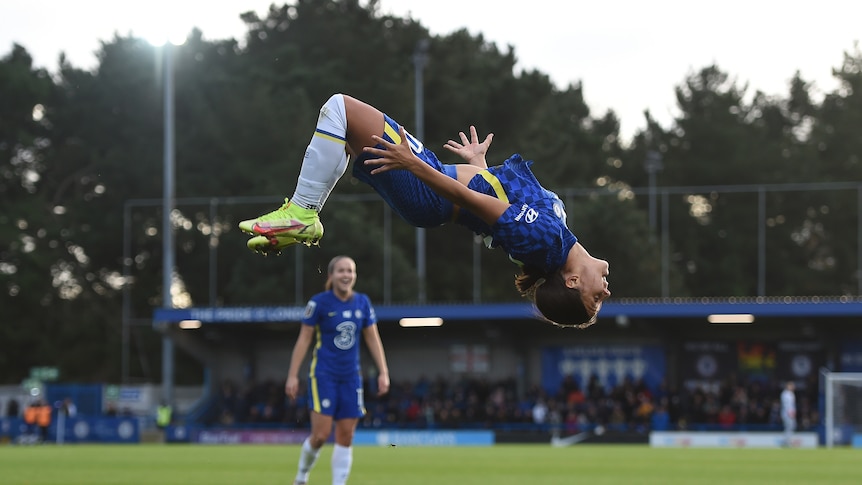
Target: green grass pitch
499, 465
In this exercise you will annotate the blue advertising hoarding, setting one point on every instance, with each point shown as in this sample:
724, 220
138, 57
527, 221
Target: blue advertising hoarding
78, 430
611, 364
362, 437
851, 356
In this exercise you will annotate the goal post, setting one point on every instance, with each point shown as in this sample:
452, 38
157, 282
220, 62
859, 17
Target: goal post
843, 405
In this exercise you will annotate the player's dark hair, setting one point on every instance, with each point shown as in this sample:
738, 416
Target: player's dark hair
555, 302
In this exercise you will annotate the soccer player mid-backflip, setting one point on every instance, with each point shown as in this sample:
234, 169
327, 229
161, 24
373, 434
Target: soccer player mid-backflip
504, 203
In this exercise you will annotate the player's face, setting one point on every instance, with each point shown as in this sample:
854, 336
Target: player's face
593, 283
343, 276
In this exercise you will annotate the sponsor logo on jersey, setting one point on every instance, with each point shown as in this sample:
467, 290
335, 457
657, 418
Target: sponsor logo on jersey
528, 214
346, 337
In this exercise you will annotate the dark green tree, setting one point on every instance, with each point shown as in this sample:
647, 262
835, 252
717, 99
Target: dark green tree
81, 177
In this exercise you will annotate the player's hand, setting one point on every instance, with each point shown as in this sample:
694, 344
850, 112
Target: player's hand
471, 150
392, 156
382, 384
291, 387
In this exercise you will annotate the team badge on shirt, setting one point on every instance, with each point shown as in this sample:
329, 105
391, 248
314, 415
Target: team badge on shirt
309, 308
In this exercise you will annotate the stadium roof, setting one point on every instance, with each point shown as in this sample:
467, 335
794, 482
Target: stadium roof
647, 308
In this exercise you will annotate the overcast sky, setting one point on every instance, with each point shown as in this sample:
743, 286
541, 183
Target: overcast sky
629, 54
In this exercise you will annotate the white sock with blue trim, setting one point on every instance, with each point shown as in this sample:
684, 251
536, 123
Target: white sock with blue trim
325, 159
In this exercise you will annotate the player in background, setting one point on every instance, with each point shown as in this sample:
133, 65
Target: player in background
788, 411
505, 204
338, 319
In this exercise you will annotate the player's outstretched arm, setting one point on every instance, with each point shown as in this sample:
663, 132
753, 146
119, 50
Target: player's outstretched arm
471, 150
394, 156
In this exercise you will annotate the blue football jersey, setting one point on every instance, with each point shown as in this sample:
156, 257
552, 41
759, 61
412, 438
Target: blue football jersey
338, 332
533, 230
408, 196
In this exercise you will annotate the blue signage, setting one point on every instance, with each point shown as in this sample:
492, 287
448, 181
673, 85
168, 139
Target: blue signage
394, 437
78, 430
851, 357
611, 364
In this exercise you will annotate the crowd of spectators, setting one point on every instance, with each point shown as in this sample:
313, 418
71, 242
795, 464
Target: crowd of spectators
470, 403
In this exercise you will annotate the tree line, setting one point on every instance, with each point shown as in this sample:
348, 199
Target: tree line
76, 145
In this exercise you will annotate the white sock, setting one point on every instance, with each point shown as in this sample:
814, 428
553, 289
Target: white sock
325, 159
342, 459
307, 459
336, 176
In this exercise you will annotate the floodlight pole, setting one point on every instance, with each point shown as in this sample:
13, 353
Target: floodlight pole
127, 305
420, 59
168, 195
653, 164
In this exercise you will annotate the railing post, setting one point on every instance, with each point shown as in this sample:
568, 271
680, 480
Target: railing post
761, 241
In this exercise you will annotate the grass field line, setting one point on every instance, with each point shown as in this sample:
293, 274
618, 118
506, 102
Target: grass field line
159, 464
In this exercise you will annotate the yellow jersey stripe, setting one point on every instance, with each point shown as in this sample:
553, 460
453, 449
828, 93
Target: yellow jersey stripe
392, 132
315, 395
495, 184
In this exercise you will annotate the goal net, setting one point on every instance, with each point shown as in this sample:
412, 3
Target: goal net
842, 406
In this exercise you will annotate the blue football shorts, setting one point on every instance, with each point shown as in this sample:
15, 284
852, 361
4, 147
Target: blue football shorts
340, 398
408, 196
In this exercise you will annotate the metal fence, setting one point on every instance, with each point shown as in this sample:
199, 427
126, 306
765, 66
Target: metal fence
706, 241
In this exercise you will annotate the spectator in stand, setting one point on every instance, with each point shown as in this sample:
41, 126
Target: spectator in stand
43, 419
726, 417
660, 419
30, 421
575, 396
555, 417
711, 408
412, 411
540, 412
618, 419
111, 409
595, 388
69, 409
466, 402
788, 411
229, 403
13, 409
645, 408
164, 415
